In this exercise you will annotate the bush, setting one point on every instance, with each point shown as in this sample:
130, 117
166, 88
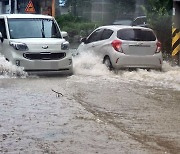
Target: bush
75, 26
159, 16
162, 25
63, 19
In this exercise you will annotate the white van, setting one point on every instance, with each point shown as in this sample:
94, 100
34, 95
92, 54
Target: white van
35, 43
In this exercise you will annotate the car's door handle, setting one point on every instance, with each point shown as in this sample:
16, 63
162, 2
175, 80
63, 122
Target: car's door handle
93, 45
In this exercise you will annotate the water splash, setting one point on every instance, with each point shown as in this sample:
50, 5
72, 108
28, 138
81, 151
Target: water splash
7, 70
88, 64
168, 78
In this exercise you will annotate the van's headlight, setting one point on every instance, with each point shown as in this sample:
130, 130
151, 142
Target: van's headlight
19, 46
65, 46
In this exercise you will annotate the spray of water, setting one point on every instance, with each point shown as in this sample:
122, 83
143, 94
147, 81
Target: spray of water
7, 70
169, 77
88, 64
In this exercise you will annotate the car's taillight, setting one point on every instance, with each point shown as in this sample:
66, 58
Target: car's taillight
116, 44
158, 47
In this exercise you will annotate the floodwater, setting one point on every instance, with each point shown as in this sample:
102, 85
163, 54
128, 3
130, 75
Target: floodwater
98, 112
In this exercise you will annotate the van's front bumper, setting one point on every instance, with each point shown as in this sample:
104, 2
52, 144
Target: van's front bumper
64, 65
50, 72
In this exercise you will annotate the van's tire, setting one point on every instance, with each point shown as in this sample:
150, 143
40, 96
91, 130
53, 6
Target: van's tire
108, 63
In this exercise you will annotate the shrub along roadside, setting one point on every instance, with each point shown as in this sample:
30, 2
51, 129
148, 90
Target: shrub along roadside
75, 27
159, 17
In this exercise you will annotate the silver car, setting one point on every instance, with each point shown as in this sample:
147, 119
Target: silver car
35, 43
124, 47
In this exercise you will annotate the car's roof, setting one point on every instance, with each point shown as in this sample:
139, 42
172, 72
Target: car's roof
25, 16
122, 22
140, 17
118, 27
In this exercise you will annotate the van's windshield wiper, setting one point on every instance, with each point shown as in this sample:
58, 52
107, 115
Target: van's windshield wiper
42, 30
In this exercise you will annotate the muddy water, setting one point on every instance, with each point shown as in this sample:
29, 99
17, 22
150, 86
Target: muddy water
99, 112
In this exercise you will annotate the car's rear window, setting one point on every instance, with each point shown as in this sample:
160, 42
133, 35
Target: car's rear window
136, 35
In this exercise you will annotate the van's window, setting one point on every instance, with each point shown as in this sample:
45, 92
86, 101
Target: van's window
136, 35
33, 28
3, 28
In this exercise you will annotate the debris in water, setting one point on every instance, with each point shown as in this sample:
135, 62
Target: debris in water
58, 93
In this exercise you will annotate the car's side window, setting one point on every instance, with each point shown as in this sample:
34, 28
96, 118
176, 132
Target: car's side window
95, 36
106, 34
3, 28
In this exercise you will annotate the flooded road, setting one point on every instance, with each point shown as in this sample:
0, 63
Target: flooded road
100, 111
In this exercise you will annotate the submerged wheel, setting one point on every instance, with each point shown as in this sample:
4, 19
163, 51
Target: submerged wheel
108, 63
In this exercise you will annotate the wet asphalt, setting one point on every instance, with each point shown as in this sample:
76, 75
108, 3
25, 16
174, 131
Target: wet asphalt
88, 114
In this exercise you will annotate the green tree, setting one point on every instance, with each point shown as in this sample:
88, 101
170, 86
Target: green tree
159, 16
121, 8
74, 4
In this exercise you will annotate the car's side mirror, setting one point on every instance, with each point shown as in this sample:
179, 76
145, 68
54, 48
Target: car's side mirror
1, 37
133, 24
84, 40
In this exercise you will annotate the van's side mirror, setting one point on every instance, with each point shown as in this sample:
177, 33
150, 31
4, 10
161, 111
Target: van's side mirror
64, 34
1, 37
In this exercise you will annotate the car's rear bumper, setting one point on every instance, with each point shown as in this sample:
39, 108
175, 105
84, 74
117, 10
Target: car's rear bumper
149, 61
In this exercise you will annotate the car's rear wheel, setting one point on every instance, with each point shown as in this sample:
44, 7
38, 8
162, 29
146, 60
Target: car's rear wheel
108, 63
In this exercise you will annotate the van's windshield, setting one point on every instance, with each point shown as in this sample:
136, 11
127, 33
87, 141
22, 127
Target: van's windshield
33, 28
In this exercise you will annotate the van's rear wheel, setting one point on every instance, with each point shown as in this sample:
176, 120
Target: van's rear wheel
108, 63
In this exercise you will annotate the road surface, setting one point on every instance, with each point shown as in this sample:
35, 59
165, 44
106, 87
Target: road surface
97, 111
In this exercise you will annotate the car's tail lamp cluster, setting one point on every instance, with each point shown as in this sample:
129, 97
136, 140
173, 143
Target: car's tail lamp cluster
158, 47
116, 44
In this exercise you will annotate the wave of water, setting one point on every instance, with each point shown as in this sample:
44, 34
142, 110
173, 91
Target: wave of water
7, 70
88, 64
